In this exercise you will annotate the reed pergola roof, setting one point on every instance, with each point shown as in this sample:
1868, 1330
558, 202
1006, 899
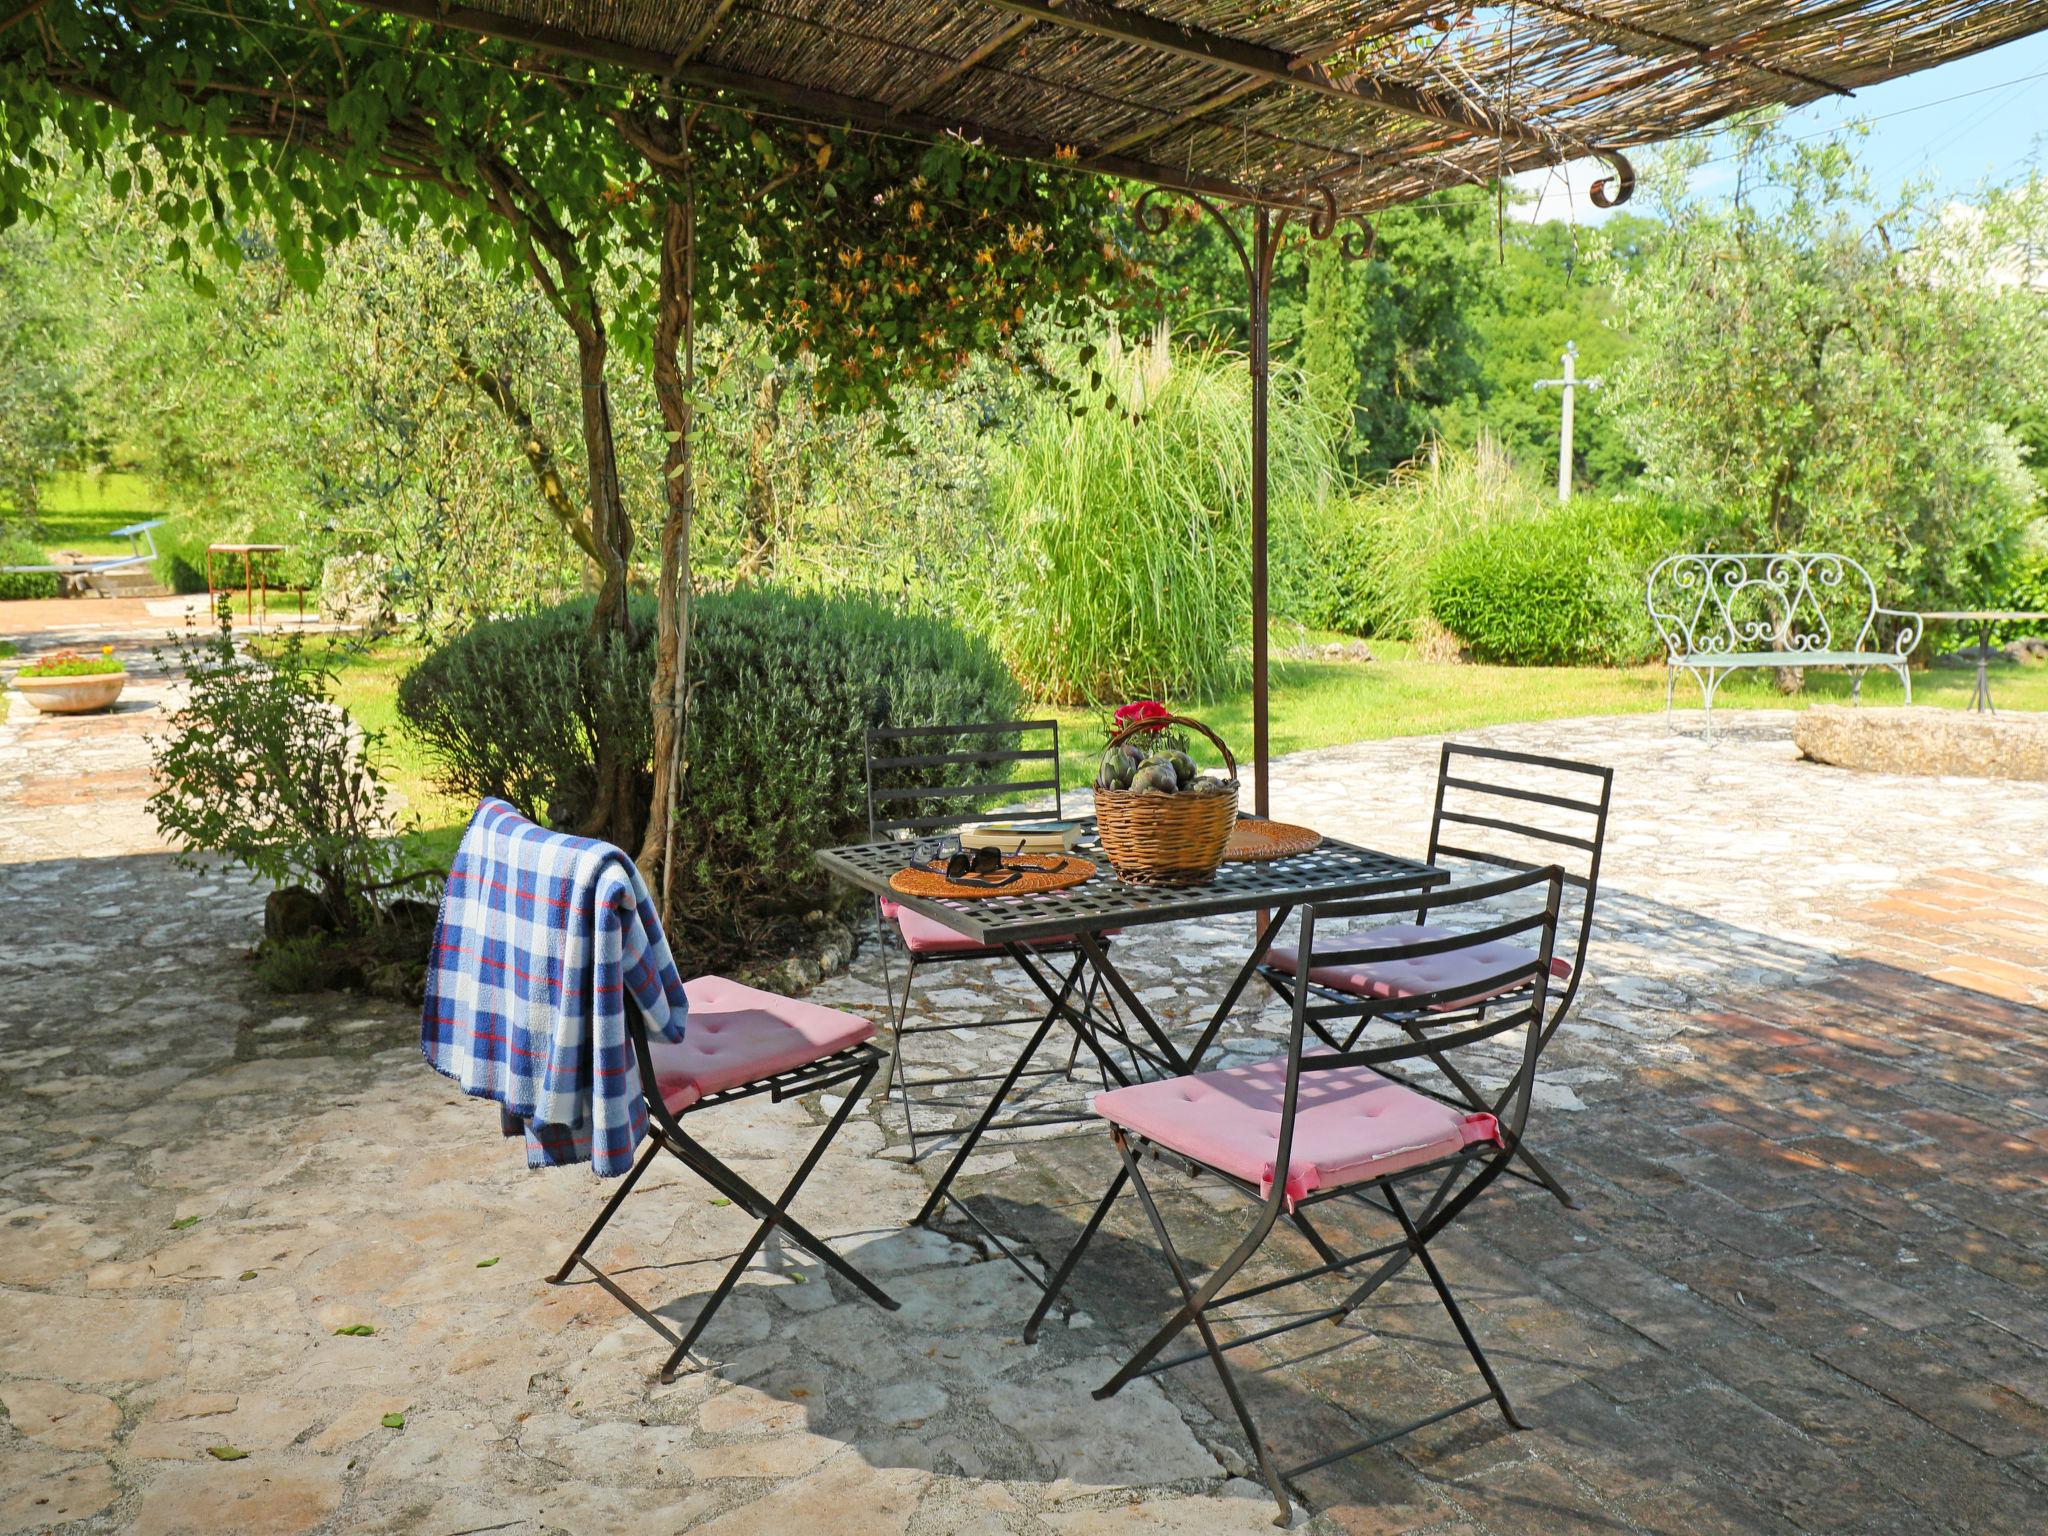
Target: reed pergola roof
1364, 104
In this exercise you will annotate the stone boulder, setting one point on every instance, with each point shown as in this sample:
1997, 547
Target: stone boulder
1932, 742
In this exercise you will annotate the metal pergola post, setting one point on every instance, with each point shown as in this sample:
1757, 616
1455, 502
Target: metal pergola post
1259, 279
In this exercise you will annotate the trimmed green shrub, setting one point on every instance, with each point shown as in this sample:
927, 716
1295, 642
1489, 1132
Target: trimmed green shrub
25, 584
2025, 588
261, 765
513, 707
1563, 589
783, 692
783, 689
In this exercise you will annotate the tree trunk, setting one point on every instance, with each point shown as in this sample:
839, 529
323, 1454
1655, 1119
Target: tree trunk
615, 813
674, 378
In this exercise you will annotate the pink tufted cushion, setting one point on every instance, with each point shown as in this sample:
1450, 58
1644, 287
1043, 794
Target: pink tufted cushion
739, 1034
928, 936
1352, 1124
1409, 978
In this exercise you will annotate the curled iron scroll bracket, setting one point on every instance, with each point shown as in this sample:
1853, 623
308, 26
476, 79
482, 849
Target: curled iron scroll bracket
1318, 215
1612, 192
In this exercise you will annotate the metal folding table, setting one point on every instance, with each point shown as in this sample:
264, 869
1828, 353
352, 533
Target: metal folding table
1272, 889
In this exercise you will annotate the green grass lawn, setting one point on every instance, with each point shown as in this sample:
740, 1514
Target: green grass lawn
1315, 704
366, 683
1326, 703
78, 509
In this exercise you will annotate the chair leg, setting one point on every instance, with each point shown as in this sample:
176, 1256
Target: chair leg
1058, 1282
1193, 1308
965, 1150
898, 1085
611, 1207
772, 1215
1443, 1292
1538, 1173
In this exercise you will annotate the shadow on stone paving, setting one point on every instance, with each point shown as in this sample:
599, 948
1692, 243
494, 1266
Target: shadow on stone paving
1804, 1291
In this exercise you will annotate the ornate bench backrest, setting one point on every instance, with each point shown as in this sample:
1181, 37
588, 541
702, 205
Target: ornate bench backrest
1731, 604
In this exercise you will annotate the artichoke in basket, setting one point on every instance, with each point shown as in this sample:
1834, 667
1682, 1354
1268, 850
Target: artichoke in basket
1155, 778
1119, 765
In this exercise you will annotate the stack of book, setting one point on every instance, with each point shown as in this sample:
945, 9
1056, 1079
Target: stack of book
1031, 837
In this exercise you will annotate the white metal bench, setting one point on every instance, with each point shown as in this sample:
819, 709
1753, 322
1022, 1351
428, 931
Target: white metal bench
81, 574
1720, 613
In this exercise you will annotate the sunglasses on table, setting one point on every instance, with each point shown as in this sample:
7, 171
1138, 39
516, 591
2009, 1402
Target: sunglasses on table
983, 867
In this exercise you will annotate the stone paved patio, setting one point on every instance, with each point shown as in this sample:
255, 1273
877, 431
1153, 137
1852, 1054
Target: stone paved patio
1804, 1104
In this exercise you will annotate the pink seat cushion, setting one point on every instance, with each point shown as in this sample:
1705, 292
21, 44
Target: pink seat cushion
928, 936
1409, 978
739, 1035
1352, 1124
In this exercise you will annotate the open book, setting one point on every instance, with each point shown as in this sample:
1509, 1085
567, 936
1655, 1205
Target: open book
1022, 836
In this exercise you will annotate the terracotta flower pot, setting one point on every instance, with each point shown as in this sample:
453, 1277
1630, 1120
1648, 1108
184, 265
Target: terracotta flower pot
73, 695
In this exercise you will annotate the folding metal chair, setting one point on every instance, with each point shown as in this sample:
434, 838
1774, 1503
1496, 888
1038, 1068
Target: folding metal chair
905, 801
1470, 812
1316, 1126
739, 1043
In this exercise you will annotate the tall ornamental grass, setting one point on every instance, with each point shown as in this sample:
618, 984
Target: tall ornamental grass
1124, 567
1365, 562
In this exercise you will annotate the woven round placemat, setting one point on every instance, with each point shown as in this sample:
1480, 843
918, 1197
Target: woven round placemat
924, 882
1253, 841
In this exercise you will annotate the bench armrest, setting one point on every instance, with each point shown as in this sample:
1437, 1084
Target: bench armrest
1906, 632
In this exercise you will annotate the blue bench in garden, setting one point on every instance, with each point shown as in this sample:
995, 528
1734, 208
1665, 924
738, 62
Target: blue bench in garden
1718, 614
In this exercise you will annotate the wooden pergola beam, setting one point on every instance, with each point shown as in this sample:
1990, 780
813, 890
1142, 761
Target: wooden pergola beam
702, 37
980, 56
1275, 67
823, 104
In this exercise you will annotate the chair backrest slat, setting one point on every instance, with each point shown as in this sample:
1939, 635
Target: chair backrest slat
1443, 943
1462, 1012
1520, 829
1473, 797
904, 799
1499, 861
1516, 792
947, 759
965, 728
966, 791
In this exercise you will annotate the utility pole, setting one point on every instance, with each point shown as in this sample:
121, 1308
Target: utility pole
1571, 384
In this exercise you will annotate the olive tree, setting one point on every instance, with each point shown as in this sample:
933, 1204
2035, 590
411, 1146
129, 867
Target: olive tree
1818, 367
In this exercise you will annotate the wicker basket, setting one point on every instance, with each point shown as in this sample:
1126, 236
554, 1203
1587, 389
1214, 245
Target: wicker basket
1166, 839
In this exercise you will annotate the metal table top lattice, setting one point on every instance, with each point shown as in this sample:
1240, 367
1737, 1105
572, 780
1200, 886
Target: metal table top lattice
1335, 869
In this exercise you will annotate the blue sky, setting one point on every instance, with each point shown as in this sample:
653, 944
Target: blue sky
1984, 118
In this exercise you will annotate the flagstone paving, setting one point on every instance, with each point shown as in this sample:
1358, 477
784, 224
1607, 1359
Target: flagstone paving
1804, 1105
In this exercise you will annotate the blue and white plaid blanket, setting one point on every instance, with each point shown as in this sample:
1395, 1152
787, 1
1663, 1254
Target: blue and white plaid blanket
541, 936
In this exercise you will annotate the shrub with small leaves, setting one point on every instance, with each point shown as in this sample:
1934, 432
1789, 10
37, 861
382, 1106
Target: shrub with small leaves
263, 767
1561, 590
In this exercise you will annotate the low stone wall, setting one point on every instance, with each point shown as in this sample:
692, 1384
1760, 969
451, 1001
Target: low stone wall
1926, 741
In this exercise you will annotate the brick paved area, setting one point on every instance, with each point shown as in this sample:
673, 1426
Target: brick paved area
1804, 1105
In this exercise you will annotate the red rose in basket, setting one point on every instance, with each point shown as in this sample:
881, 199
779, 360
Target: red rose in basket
1140, 711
